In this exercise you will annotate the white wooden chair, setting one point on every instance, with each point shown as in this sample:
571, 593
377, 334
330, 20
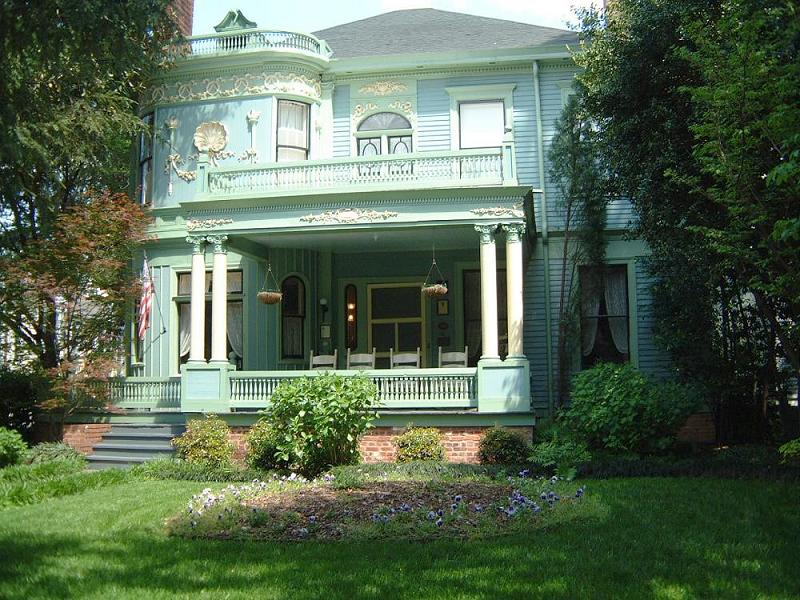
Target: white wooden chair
360, 362
403, 360
453, 359
323, 362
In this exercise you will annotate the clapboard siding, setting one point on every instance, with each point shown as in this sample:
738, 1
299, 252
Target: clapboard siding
341, 121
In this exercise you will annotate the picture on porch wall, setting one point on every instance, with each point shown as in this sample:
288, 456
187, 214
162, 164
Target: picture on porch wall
443, 308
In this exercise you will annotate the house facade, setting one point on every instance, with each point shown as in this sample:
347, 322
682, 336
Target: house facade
345, 170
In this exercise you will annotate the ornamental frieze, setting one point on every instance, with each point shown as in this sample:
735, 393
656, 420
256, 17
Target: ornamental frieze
383, 88
193, 224
349, 216
500, 211
247, 84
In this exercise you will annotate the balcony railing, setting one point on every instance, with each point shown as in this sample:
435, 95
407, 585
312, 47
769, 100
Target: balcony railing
400, 388
145, 393
249, 40
400, 171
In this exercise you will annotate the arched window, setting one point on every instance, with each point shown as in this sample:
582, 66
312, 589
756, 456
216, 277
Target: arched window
384, 133
293, 315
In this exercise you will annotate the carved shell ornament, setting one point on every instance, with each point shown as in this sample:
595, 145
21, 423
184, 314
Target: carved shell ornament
211, 137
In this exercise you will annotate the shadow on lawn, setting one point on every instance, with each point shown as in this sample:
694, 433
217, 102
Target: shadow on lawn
703, 542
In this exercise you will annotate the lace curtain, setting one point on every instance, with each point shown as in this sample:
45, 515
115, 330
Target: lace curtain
235, 327
590, 306
185, 331
616, 296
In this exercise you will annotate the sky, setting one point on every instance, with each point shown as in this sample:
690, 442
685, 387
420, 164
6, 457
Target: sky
313, 15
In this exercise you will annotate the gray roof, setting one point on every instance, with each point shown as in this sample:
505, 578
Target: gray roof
430, 30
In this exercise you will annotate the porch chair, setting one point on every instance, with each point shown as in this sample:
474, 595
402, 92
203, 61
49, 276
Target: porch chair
360, 362
323, 361
403, 360
453, 359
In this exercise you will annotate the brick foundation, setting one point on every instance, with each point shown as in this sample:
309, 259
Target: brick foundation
698, 429
84, 436
238, 436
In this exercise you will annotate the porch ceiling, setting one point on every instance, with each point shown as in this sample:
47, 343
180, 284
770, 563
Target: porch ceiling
372, 239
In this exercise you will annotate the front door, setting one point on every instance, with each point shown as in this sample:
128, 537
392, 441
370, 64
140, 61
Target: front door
396, 320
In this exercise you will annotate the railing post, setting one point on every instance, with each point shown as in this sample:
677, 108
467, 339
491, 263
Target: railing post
508, 167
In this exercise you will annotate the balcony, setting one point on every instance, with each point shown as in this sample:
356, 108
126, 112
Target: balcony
252, 40
463, 168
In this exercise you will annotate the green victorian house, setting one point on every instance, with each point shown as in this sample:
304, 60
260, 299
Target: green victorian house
344, 171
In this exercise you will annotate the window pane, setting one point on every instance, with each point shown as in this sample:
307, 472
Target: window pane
293, 297
234, 282
292, 337
482, 124
400, 145
185, 284
369, 146
292, 124
291, 154
384, 120
409, 337
396, 302
383, 336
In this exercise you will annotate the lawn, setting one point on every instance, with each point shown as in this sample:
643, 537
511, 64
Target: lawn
644, 538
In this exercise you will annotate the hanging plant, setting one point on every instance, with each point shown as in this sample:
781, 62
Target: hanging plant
434, 288
270, 294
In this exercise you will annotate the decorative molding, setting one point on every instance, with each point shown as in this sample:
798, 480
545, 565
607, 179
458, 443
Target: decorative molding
193, 224
362, 109
514, 232
197, 242
405, 107
383, 88
486, 232
500, 211
218, 241
252, 117
349, 216
211, 137
233, 86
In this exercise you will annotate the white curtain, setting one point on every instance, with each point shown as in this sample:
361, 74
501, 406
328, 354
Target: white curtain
482, 124
293, 124
185, 330
590, 306
616, 294
235, 327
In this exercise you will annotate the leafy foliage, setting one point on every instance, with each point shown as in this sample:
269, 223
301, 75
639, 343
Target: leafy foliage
317, 421
206, 443
53, 451
616, 407
262, 444
499, 445
420, 443
181, 470
12, 447
19, 393
790, 452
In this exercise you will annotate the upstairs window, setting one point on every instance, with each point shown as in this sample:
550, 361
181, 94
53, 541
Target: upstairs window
482, 124
384, 133
293, 130
145, 181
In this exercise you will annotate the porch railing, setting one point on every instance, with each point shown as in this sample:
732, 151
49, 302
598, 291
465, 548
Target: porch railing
251, 39
145, 393
399, 171
401, 388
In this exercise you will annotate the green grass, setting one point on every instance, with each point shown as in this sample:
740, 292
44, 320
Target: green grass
652, 538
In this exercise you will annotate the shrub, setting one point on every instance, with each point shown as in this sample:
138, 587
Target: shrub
177, 469
12, 447
790, 452
50, 451
206, 443
262, 443
499, 445
27, 490
317, 421
420, 443
557, 451
618, 408
19, 393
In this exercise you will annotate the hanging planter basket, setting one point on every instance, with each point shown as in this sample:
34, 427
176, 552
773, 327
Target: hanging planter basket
434, 286
270, 293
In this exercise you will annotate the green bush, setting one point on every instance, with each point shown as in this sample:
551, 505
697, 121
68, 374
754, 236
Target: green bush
206, 442
262, 443
177, 469
41, 471
12, 447
616, 407
50, 451
790, 452
557, 451
420, 443
19, 394
501, 446
317, 421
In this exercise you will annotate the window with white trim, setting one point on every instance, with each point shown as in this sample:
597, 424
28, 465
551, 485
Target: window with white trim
384, 133
293, 135
482, 124
605, 326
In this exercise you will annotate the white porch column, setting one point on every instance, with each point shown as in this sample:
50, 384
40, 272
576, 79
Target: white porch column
514, 277
219, 299
488, 291
198, 300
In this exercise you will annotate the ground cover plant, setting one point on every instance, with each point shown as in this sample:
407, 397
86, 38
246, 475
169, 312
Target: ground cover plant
293, 508
12, 447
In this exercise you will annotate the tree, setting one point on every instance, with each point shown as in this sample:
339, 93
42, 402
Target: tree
695, 103
70, 77
577, 169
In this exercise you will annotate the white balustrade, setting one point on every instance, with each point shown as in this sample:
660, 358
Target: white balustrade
481, 167
253, 39
145, 393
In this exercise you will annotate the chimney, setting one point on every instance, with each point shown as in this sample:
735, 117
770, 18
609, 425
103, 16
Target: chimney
183, 11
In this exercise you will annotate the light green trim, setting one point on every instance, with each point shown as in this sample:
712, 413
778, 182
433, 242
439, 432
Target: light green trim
422, 319
308, 318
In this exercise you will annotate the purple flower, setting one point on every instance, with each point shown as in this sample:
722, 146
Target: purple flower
439, 522
312, 519
458, 498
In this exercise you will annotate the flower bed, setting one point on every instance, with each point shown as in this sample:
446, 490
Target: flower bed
292, 508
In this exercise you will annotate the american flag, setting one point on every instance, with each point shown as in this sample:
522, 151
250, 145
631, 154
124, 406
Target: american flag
146, 303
